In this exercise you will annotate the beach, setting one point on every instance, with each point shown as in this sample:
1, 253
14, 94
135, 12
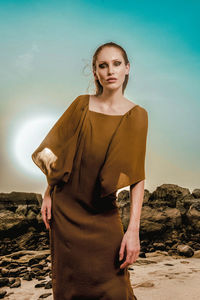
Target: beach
159, 276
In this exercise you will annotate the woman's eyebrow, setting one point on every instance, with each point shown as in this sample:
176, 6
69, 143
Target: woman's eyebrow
112, 60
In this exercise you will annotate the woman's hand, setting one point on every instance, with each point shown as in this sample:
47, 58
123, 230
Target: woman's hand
46, 210
131, 245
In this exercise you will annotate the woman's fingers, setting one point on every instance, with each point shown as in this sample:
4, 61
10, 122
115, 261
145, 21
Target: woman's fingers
121, 251
131, 258
44, 216
130, 247
46, 212
128, 260
49, 213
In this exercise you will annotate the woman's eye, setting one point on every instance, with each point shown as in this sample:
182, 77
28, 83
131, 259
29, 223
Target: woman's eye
102, 65
116, 63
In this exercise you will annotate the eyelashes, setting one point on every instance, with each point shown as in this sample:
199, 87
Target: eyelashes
117, 63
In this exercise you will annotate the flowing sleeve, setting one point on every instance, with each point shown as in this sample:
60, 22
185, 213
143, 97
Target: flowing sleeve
125, 159
54, 156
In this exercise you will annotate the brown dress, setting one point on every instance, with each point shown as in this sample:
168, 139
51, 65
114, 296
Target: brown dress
86, 232
85, 162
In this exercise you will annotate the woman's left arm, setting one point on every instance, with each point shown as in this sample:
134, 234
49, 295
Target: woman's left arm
131, 239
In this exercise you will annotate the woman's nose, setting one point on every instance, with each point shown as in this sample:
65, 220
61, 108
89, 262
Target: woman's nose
110, 69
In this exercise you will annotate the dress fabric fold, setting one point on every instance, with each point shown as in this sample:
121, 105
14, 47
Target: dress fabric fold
124, 162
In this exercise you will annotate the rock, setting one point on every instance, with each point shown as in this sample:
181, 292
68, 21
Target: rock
169, 243
21, 224
48, 285
17, 283
157, 253
144, 284
154, 220
145, 262
33, 261
31, 215
45, 295
12, 200
196, 193
14, 272
11, 280
4, 281
123, 202
142, 254
4, 272
167, 195
41, 284
185, 250
193, 215
38, 266
22, 209
197, 254
172, 252
159, 246
27, 276
2, 294
40, 277
174, 247
10, 222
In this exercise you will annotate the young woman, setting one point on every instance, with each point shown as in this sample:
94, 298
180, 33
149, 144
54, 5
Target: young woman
96, 147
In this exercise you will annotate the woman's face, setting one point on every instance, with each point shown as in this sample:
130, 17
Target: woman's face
110, 63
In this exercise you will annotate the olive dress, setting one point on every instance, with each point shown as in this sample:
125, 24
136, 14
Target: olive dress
85, 229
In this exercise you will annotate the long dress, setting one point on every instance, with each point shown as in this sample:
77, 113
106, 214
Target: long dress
86, 231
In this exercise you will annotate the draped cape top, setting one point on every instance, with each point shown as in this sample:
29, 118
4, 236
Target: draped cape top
124, 162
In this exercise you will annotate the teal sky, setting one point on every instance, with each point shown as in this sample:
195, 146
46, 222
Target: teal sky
45, 58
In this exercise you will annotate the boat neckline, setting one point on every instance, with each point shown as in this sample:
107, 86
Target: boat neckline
96, 112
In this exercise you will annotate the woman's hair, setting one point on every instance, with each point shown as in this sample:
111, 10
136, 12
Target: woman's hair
99, 88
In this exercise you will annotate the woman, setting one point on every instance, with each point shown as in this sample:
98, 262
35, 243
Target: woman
96, 147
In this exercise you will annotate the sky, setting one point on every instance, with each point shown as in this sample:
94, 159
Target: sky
45, 58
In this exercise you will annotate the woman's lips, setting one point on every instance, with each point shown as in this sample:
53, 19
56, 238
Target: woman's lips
112, 80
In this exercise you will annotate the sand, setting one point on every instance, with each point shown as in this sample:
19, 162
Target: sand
153, 279
156, 277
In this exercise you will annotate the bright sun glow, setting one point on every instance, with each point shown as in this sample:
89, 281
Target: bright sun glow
27, 138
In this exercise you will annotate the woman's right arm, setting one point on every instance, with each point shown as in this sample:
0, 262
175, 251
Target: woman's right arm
46, 207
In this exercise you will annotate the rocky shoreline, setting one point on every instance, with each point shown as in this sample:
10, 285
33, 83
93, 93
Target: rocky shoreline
170, 226
26, 275
170, 219
27, 266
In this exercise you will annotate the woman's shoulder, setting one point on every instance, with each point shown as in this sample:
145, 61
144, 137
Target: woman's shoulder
82, 96
138, 116
140, 111
136, 107
78, 100
81, 99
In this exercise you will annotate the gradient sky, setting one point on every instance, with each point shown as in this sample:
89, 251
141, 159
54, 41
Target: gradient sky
45, 58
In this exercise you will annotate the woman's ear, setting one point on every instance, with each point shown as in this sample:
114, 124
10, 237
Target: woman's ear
95, 75
127, 68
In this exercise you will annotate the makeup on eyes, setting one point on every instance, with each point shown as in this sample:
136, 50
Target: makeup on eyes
117, 61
